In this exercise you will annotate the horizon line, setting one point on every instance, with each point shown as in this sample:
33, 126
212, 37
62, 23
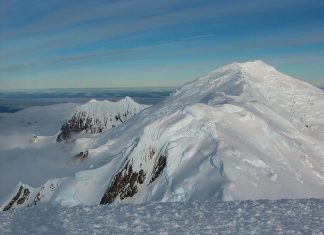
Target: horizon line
87, 88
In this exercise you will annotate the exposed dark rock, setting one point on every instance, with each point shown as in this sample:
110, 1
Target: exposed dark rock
151, 153
141, 176
95, 118
124, 184
41, 195
24, 196
126, 181
34, 138
81, 156
19, 198
158, 168
78, 123
81, 122
36, 199
118, 118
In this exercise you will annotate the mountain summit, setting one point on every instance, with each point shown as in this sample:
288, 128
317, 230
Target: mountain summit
243, 131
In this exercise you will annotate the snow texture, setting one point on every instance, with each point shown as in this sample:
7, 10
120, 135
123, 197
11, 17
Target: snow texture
242, 132
304, 216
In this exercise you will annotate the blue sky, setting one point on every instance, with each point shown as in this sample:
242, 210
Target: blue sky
145, 43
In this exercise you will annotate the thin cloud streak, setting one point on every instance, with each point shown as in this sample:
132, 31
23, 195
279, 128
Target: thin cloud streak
119, 26
40, 37
261, 44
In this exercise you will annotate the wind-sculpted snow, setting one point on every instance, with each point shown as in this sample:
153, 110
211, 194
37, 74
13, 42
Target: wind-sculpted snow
244, 131
240, 217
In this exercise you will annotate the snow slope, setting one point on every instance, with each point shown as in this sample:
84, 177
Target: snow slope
239, 217
243, 131
34, 160
17, 128
28, 148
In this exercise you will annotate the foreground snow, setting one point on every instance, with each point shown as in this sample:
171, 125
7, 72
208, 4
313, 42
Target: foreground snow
246, 217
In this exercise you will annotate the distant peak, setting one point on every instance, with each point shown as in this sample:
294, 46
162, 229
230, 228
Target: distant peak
255, 64
248, 66
127, 99
93, 101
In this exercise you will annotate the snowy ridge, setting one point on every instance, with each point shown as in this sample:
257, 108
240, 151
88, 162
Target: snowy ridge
259, 82
243, 131
97, 116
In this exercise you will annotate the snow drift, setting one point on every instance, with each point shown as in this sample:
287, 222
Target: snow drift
243, 131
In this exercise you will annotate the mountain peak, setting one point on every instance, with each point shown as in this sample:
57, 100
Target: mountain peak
254, 63
249, 66
257, 66
93, 101
127, 99
230, 79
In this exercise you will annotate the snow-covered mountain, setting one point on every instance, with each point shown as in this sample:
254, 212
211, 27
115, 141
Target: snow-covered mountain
97, 116
243, 131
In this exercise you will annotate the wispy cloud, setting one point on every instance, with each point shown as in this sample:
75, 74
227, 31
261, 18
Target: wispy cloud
260, 43
86, 23
37, 34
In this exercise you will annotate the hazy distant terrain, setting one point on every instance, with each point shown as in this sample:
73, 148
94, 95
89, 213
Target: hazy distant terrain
12, 101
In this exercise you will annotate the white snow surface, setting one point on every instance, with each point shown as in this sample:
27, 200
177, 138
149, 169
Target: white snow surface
243, 131
305, 216
28, 149
33, 161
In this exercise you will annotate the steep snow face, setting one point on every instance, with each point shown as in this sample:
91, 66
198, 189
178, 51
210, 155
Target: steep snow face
243, 131
97, 116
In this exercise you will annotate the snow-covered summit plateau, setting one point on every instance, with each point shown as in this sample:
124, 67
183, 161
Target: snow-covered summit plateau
243, 131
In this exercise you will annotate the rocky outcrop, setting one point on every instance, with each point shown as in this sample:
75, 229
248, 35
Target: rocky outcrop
44, 191
33, 139
158, 168
127, 181
26, 196
18, 199
78, 123
124, 184
81, 156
